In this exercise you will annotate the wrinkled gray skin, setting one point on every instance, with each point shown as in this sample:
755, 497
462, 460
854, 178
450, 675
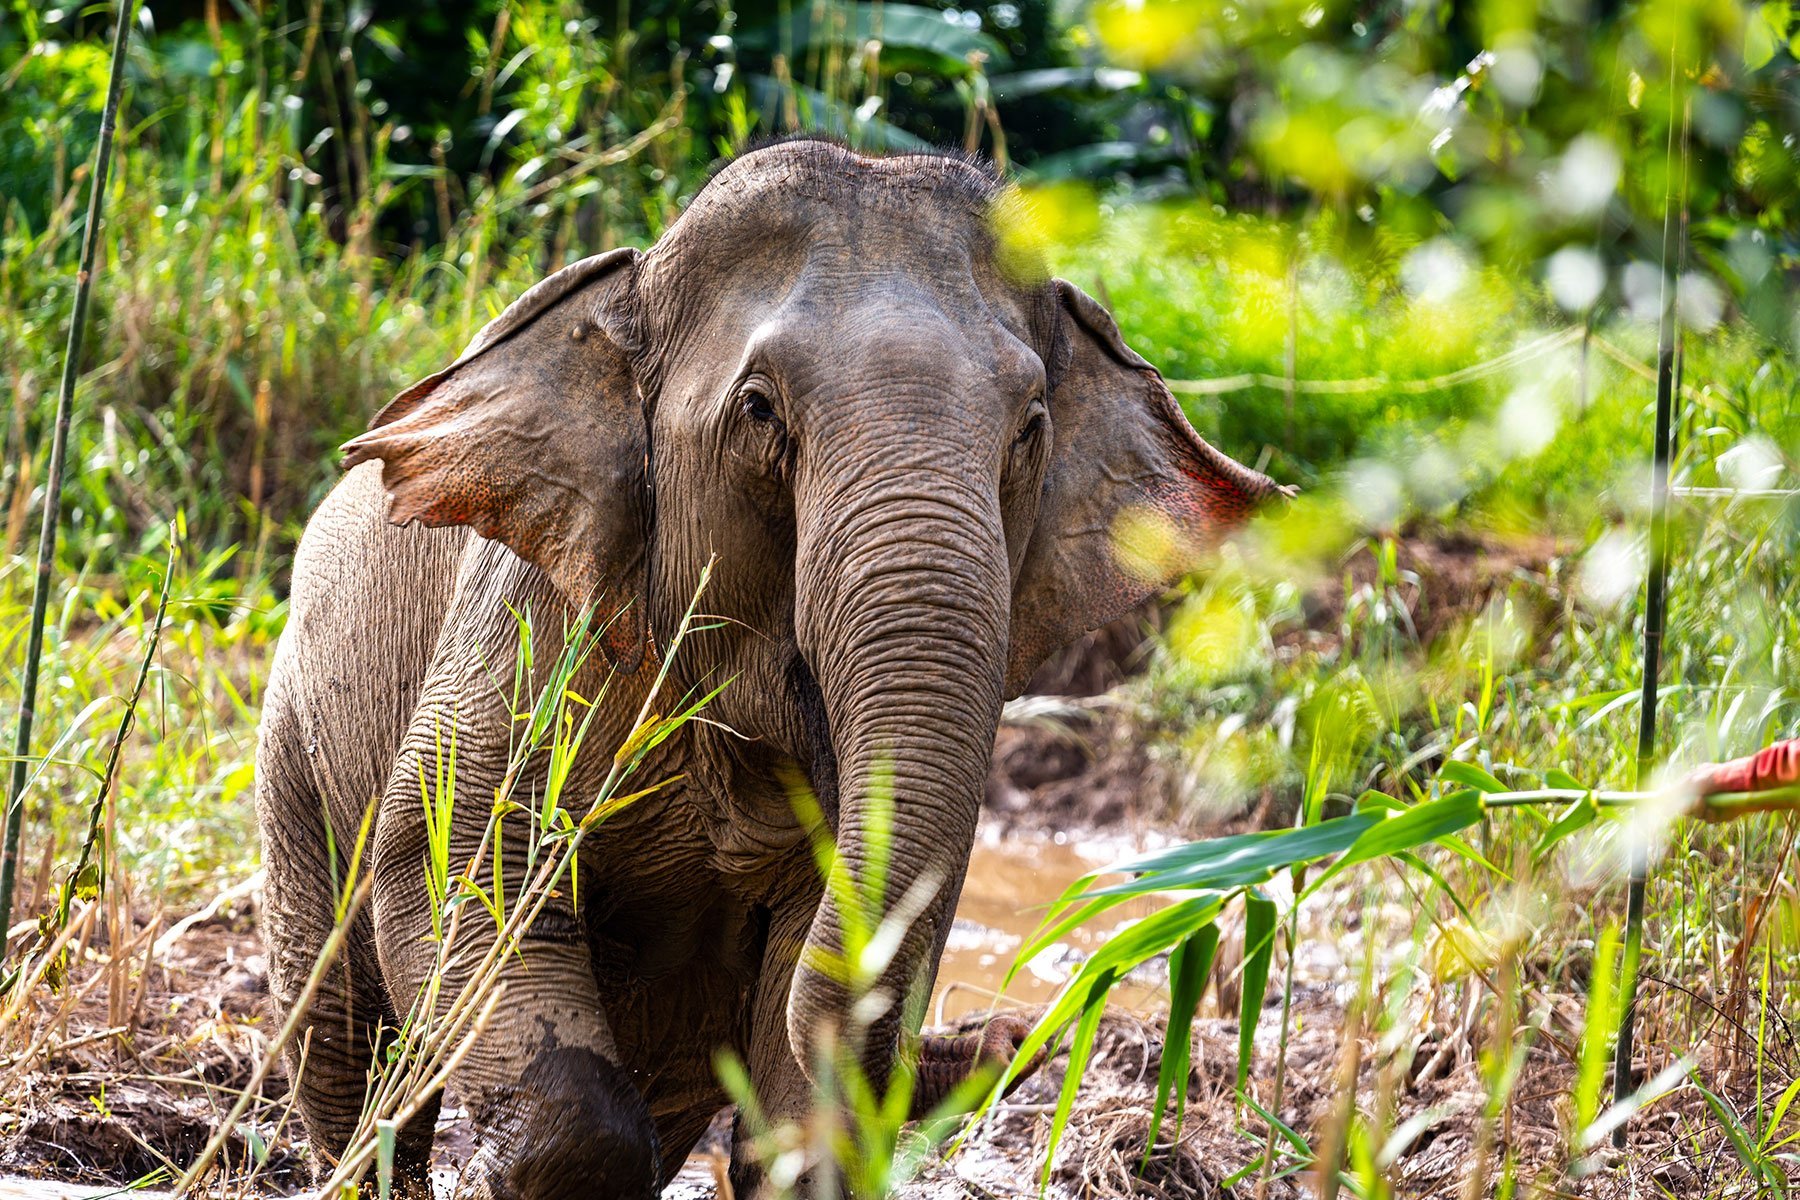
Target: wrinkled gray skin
910, 463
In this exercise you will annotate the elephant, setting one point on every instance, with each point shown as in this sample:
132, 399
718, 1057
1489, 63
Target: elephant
918, 466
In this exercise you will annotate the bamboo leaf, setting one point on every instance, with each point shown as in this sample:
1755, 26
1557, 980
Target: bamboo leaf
1189, 966
1222, 864
1093, 1007
638, 738
605, 809
1417, 826
1049, 933
1469, 775
1152, 935
1259, 951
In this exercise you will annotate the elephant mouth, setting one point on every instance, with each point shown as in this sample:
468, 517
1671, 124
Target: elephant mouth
819, 754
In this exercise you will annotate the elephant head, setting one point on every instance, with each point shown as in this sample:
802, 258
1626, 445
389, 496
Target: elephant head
922, 470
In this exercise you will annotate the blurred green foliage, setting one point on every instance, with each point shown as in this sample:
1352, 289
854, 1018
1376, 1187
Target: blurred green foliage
318, 200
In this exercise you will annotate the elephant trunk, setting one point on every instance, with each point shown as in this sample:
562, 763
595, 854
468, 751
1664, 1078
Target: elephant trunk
905, 627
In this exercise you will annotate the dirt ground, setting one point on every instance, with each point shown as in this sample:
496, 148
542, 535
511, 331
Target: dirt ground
109, 1110
133, 1065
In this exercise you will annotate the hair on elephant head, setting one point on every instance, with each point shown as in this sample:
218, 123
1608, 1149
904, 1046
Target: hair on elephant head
922, 469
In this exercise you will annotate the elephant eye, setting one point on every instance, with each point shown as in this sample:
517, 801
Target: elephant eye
757, 404
1033, 427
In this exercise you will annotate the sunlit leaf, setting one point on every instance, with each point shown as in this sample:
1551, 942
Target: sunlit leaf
1469, 775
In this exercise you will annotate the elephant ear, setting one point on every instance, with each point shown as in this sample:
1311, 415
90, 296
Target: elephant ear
536, 438
1131, 499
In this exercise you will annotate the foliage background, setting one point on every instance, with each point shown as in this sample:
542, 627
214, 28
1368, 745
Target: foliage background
317, 202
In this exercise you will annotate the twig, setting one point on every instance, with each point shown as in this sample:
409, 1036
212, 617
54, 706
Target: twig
75, 883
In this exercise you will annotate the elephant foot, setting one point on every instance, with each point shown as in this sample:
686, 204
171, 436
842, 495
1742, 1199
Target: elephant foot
572, 1128
946, 1061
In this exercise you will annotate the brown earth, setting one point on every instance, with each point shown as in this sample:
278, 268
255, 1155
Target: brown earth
110, 1110
131, 1068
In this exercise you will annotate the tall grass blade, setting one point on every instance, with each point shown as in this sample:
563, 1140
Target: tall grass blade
1770, 1177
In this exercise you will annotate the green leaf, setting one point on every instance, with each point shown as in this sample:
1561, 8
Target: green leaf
1189, 966
1469, 775
1417, 826
1760, 39
1289, 1134
1223, 863
1379, 802
1079, 1049
1259, 950
1055, 926
1154, 934
1778, 1112
1578, 816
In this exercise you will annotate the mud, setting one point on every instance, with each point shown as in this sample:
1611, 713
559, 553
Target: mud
115, 1088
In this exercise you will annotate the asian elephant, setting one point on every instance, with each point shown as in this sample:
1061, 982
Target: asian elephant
922, 467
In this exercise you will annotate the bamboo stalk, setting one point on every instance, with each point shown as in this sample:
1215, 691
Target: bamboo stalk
65, 403
1655, 604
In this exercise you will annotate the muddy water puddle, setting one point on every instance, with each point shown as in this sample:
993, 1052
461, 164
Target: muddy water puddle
1010, 885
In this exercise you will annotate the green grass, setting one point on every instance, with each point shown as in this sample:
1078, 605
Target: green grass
185, 828
1532, 682
1245, 689
1205, 297
246, 325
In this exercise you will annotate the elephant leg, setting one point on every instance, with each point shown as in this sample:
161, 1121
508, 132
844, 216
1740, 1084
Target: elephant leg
782, 1089
347, 1018
947, 1061
554, 1114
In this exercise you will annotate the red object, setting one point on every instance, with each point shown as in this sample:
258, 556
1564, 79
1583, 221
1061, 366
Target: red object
1774, 767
